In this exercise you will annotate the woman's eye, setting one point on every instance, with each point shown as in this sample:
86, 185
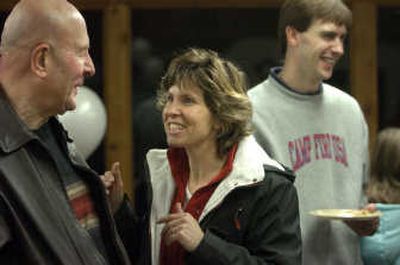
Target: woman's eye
187, 100
168, 98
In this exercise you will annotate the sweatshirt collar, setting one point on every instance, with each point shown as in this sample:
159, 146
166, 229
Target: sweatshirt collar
274, 73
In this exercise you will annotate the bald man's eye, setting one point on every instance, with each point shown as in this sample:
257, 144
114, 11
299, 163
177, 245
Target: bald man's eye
83, 52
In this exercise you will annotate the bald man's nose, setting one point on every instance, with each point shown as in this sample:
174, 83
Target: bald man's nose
90, 70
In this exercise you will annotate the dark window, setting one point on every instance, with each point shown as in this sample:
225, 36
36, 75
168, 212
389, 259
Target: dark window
389, 65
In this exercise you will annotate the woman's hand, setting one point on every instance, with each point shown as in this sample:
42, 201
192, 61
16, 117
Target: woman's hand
183, 228
112, 181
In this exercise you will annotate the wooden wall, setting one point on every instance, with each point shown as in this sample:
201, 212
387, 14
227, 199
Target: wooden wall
117, 63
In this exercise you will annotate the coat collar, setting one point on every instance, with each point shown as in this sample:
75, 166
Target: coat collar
14, 133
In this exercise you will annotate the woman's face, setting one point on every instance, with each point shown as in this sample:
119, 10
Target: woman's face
188, 123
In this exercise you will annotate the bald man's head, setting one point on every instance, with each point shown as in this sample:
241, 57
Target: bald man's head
44, 46
34, 21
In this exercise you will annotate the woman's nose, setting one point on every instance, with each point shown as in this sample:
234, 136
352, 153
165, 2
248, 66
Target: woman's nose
172, 108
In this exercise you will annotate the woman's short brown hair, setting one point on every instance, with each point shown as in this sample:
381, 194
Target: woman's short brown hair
224, 89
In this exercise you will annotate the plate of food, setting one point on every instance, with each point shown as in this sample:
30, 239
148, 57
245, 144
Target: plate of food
346, 214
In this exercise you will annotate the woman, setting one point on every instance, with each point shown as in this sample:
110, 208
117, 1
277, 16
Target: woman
383, 189
217, 196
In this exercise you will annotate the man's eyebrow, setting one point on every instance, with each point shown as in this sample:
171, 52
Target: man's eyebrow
329, 32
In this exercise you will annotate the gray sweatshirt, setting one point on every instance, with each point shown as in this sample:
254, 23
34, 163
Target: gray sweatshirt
323, 137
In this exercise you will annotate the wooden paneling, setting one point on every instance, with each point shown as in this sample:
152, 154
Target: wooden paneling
117, 88
382, 3
93, 4
363, 62
100, 4
203, 3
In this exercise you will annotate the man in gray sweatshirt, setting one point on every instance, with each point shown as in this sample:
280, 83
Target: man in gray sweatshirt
316, 129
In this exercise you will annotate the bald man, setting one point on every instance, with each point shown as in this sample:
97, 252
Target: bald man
53, 207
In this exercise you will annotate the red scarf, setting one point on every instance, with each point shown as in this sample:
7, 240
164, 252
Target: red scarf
174, 253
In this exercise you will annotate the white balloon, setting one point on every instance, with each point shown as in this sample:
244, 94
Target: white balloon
86, 125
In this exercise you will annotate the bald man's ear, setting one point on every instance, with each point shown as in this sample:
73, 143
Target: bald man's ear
40, 60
